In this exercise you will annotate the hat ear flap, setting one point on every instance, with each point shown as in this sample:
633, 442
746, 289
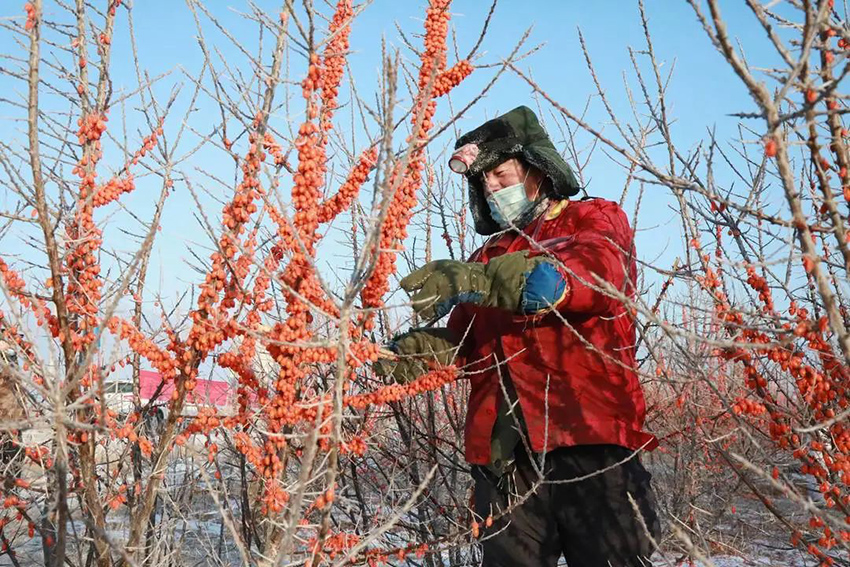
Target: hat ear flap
549, 161
484, 223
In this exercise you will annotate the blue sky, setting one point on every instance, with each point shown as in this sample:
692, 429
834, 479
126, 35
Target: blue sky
702, 93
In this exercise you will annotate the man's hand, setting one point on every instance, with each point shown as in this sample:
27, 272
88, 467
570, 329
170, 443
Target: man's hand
505, 283
438, 286
414, 351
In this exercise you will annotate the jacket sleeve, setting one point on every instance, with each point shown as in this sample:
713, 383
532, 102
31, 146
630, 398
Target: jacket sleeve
460, 322
601, 244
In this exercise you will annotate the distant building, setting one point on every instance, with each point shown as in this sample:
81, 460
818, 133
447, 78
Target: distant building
217, 393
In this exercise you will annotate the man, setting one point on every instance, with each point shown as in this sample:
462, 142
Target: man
538, 323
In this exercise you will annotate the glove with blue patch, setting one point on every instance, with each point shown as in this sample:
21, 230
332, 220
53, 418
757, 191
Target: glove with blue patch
515, 282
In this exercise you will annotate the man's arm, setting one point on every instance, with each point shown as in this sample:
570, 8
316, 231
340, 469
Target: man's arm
460, 322
557, 273
603, 246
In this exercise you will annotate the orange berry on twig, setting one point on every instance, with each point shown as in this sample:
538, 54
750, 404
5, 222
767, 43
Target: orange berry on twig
770, 147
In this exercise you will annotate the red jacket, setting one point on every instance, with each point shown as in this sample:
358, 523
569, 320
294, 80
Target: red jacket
593, 391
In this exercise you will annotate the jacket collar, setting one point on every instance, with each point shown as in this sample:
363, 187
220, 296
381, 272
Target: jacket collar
506, 241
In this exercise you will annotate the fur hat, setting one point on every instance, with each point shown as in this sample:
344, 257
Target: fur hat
517, 134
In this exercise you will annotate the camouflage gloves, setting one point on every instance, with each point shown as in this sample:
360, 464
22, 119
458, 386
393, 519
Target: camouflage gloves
415, 351
515, 282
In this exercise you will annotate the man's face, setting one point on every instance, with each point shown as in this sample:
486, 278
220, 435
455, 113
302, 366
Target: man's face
511, 172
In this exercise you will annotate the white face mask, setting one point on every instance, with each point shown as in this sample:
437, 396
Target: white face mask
508, 204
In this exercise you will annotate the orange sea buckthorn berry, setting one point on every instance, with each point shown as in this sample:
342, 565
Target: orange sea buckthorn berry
770, 147
811, 96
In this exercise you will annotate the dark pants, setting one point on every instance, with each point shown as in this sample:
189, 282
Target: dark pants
591, 522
